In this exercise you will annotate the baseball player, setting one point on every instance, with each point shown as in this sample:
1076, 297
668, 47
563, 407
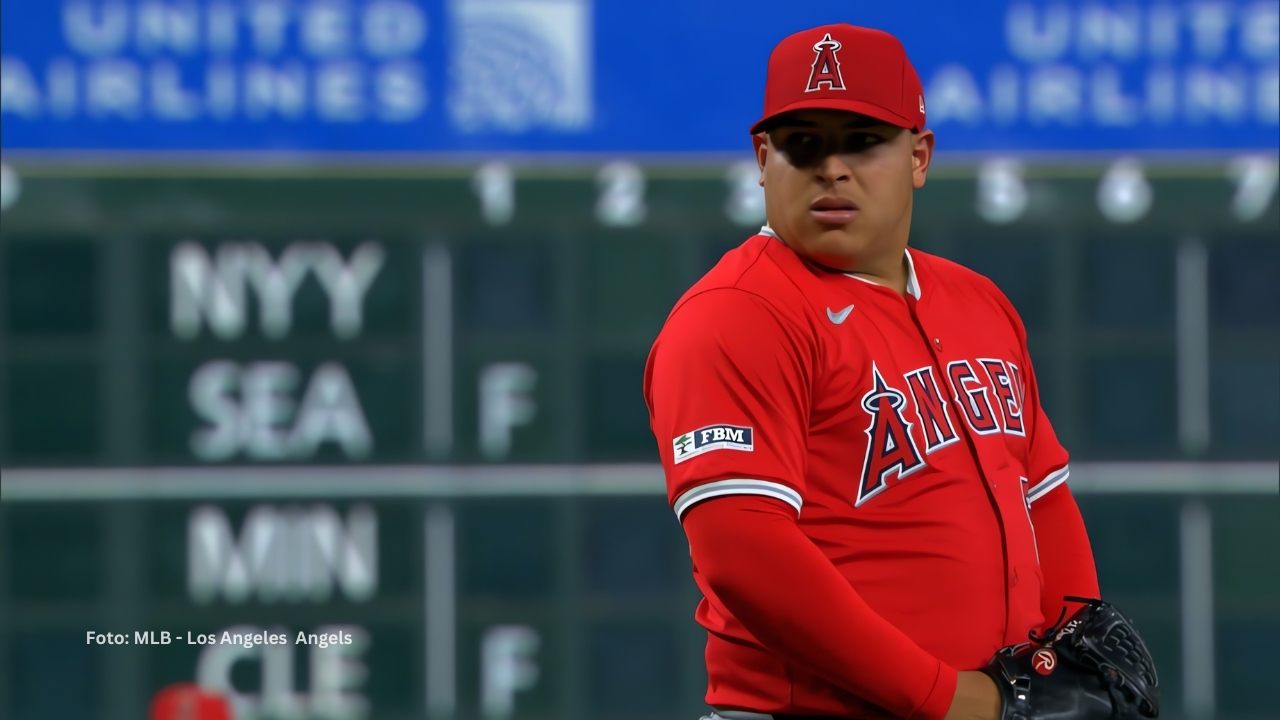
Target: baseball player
851, 429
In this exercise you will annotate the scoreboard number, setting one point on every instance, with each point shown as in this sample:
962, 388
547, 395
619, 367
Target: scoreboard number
495, 186
1002, 191
621, 202
745, 204
10, 186
1124, 195
1256, 178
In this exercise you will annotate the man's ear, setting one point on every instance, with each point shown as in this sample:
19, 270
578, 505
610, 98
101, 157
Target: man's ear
761, 143
921, 155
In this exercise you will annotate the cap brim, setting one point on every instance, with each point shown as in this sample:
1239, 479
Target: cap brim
871, 110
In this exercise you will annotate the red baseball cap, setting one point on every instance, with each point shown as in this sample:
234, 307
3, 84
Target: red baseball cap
843, 67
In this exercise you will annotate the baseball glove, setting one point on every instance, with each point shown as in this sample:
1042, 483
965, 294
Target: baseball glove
1093, 666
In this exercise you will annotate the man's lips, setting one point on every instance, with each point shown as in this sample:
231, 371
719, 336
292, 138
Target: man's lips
833, 210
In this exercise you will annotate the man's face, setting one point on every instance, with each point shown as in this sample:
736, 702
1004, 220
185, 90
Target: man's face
838, 186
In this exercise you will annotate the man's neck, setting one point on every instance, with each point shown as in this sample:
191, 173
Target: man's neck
895, 271
893, 275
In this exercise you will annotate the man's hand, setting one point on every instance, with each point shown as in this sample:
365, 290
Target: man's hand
976, 698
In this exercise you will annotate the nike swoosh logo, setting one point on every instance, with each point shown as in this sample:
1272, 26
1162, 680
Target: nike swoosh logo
838, 317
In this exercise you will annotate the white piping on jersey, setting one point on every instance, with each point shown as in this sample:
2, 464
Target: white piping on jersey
913, 284
1050, 481
737, 486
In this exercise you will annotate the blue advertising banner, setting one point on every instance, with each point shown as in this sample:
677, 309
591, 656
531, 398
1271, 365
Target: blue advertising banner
590, 76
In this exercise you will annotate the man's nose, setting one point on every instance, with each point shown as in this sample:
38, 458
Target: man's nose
832, 168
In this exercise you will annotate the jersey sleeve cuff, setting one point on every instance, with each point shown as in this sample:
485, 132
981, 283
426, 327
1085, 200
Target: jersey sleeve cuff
1050, 481
743, 486
936, 706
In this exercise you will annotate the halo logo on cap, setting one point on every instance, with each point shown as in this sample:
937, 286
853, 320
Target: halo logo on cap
826, 66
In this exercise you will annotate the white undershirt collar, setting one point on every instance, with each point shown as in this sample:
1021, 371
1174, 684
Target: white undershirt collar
913, 284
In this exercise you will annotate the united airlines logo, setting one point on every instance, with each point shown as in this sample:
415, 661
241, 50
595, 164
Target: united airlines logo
520, 66
712, 437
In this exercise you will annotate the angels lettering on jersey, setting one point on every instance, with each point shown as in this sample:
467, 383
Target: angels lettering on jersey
988, 392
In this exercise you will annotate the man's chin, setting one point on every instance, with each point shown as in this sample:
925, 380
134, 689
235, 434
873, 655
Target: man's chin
835, 261
836, 248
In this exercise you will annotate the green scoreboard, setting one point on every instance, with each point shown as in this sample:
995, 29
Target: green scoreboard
368, 443
195, 316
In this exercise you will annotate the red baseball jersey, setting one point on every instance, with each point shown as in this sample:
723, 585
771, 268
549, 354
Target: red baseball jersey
906, 431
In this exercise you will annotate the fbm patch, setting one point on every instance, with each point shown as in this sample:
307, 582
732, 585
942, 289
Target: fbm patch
712, 437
